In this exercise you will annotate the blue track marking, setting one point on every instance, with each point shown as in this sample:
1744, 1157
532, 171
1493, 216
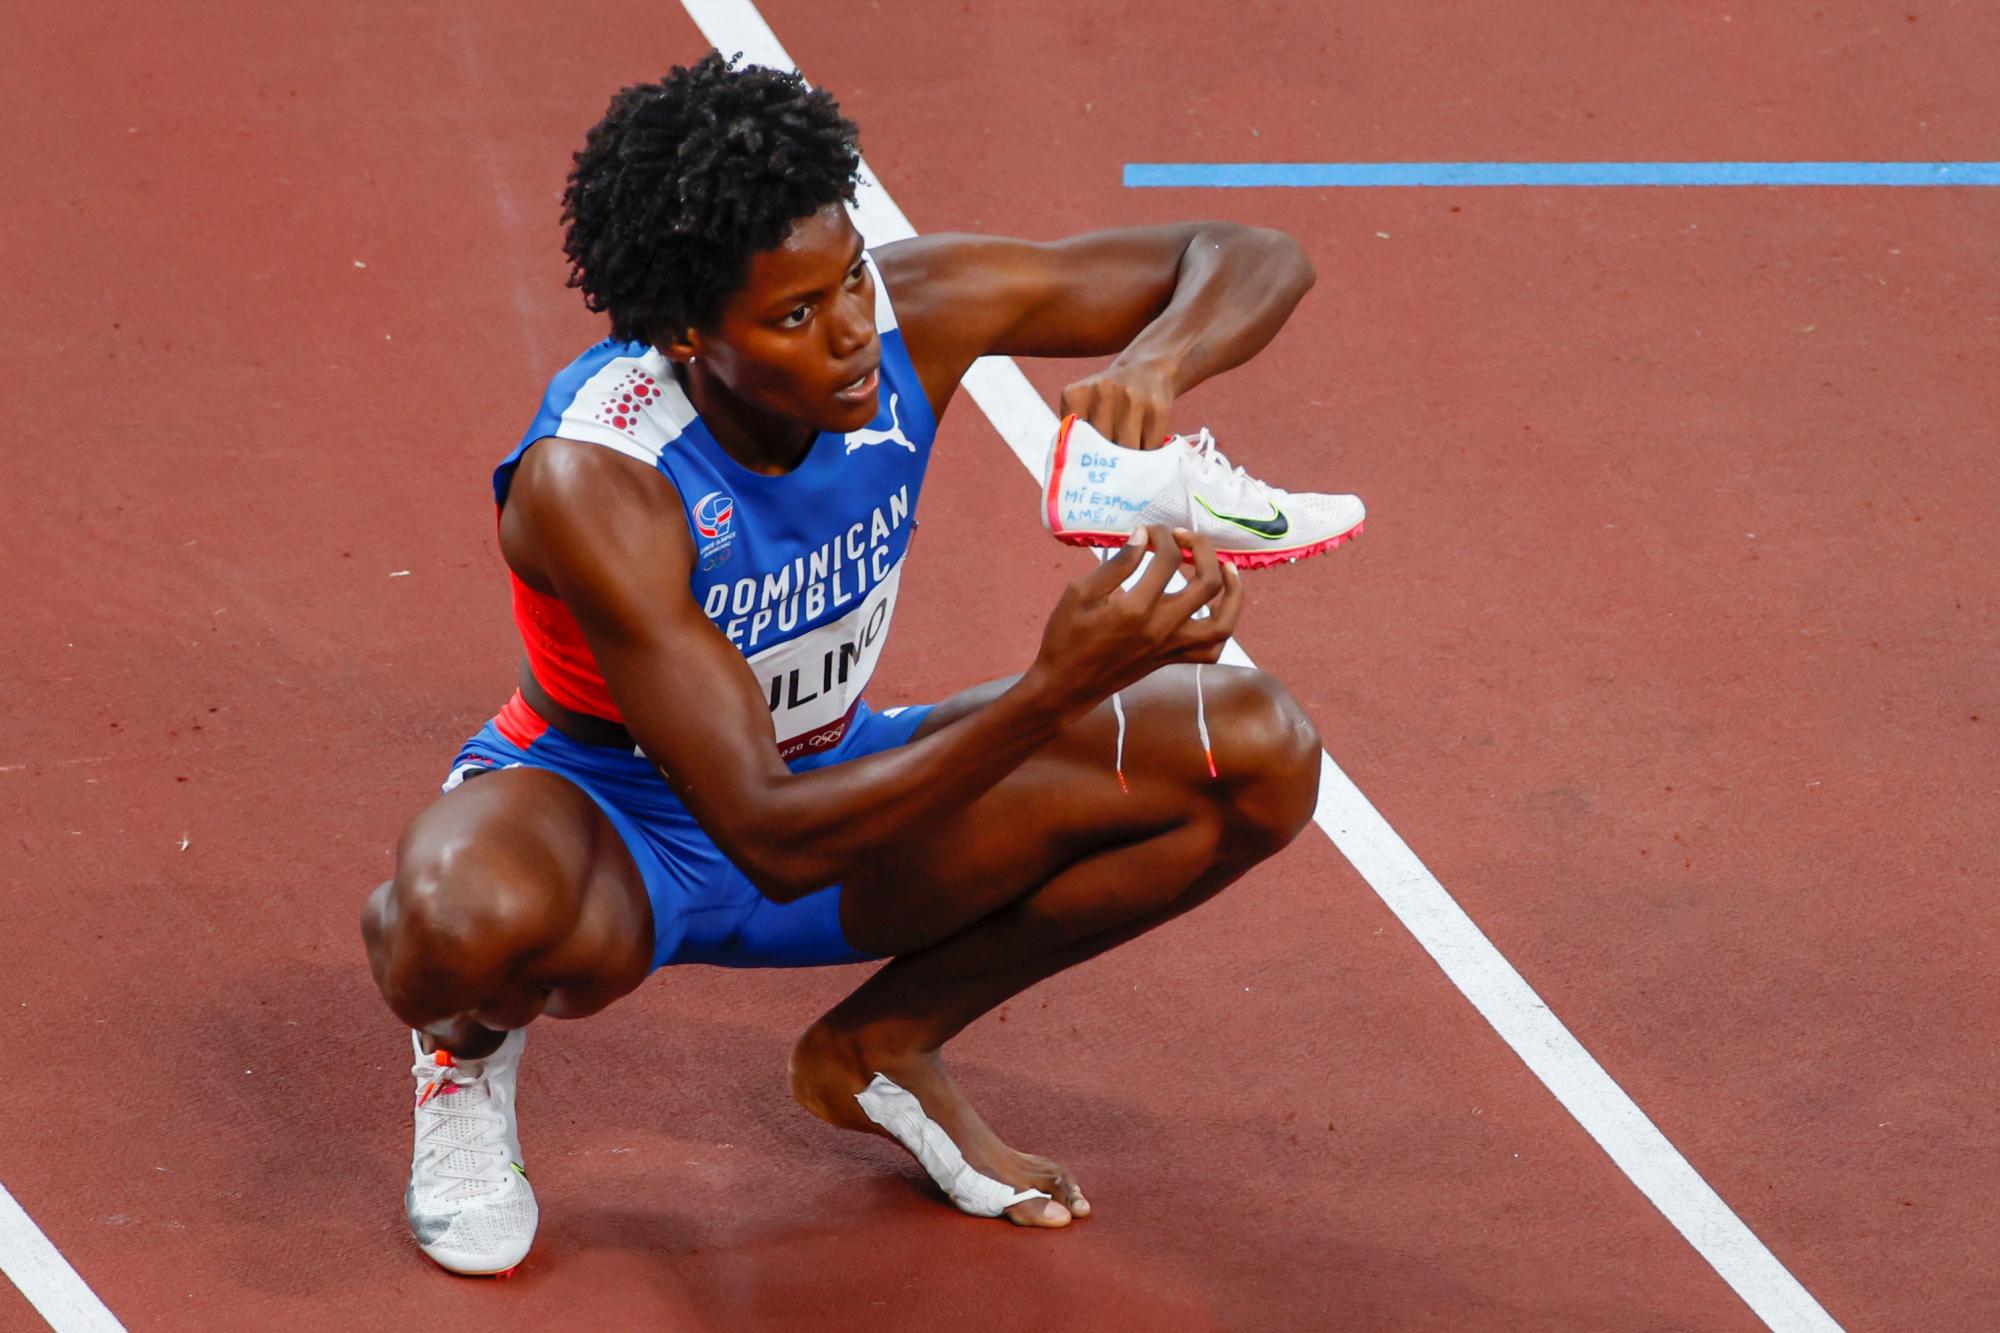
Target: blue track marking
1347, 175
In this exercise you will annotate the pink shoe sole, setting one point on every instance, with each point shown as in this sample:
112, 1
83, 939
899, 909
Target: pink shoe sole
1241, 559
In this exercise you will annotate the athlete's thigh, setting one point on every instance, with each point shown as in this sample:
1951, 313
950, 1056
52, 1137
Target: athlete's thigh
1061, 805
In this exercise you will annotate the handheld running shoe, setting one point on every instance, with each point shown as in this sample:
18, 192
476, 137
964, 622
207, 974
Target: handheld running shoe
1097, 493
469, 1204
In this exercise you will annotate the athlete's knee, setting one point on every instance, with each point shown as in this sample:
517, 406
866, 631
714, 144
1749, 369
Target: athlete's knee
421, 920
464, 888
453, 884
1270, 750
376, 914
445, 926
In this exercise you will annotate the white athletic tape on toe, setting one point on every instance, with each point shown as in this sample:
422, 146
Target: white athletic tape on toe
903, 1116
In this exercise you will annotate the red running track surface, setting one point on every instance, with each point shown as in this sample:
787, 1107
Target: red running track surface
1671, 649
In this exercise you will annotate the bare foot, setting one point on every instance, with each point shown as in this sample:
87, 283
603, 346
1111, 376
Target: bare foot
829, 1067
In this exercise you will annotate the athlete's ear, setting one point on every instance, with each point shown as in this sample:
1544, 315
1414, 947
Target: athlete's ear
683, 348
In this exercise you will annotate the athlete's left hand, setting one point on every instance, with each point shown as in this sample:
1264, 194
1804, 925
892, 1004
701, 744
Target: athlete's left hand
1127, 403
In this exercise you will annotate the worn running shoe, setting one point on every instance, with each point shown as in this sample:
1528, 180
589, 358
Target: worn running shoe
469, 1204
1097, 493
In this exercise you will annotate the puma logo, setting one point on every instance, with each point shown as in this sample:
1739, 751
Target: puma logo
894, 435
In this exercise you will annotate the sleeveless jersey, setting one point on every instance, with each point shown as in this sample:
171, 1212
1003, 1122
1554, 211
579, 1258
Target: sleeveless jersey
800, 571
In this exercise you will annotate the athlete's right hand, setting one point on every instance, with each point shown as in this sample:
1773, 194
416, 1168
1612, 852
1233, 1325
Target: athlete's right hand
1103, 636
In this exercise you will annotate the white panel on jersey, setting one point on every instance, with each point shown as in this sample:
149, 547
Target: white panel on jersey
633, 404
812, 682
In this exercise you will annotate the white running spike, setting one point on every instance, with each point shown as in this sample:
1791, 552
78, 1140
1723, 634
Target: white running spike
468, 1203
1097, 494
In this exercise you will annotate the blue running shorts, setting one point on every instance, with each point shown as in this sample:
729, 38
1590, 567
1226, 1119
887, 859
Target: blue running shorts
705, 910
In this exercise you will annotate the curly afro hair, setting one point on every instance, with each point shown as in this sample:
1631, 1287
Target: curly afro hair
684, 180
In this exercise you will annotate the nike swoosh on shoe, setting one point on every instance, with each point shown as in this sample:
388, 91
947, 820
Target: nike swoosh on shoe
1272, 528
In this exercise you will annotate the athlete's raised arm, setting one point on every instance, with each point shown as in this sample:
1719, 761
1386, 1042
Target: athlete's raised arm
1175, 304
607, 535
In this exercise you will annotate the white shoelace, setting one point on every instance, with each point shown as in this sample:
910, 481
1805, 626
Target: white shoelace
458, 1097
1213, 466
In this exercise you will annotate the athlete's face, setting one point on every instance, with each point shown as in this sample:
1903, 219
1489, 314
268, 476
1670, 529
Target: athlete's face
798, 341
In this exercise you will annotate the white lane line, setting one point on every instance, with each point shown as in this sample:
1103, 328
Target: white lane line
45, 1277
1383, 859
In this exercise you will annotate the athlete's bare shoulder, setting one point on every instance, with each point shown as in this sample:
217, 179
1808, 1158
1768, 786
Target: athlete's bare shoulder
573, 507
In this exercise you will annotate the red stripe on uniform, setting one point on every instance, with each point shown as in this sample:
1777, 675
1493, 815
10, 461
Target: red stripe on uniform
557, 654
520, 723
